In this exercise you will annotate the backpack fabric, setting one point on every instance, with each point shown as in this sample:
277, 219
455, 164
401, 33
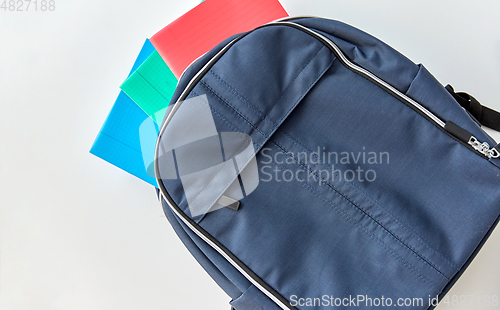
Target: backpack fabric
308, 165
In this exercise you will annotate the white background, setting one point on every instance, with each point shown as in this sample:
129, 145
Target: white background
79, 233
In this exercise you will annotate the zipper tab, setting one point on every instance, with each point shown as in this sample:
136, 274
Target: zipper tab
483, 148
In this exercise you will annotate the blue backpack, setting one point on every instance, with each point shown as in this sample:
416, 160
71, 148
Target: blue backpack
308, 165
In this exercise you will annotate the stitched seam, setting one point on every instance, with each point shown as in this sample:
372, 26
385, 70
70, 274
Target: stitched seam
218, 114
234, 109
236, 93
229, 124
361, 209
252, 125
260, 113
356, 188
242, 98
349, 219
407, 229
416, 111
284, 92
287, 153
413, 80
210, 181
275, 125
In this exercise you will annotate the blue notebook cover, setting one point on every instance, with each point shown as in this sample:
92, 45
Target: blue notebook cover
128, 136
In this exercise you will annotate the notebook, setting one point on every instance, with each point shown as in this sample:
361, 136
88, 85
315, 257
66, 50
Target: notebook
208, 24
120, 138
151, 86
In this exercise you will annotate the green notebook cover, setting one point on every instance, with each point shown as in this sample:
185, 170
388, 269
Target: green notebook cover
151, 86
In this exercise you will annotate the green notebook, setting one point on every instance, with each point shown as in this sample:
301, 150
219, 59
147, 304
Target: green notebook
151, 86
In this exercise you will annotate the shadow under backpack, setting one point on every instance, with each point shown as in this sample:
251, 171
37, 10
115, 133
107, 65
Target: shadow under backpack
308, 165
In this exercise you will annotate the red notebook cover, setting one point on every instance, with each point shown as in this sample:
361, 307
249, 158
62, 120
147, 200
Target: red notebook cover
208, 24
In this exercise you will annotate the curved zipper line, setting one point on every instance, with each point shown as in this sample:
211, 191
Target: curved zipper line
417, 107
226, 256
194, 80
192, 62
187, 89
182, 216
362, 70
340, 55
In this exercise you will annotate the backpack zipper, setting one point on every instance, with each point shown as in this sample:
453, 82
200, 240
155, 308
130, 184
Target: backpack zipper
482, 149
340, 55
253, 278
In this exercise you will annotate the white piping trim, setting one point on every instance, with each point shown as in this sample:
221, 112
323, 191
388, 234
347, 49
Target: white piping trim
192, 62
189, 225
176, 107
224, 254
177, 104
373, 76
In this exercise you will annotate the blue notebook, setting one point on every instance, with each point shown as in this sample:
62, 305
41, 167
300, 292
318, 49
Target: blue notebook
128, 136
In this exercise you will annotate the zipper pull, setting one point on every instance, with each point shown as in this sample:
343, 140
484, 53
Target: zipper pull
483, 148
466, 137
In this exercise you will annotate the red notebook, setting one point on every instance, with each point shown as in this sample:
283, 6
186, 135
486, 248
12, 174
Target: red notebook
208, 24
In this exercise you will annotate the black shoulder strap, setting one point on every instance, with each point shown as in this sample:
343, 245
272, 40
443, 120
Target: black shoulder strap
481, 114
